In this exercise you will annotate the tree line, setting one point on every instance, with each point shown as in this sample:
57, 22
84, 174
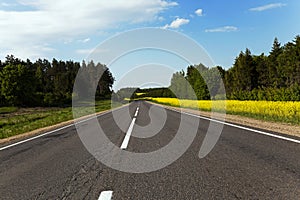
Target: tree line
252, 77
260, 77
45, 83
136, 93
273, 77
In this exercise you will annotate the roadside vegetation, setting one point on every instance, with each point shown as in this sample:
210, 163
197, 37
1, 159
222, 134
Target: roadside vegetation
273, 77
5, 110
279, 111
38, 94
265, 87
14, 121
49, 84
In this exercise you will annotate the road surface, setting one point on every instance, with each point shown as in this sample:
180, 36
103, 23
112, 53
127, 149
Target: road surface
242, 165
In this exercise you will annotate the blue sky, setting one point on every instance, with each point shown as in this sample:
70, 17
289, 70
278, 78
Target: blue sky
70, 29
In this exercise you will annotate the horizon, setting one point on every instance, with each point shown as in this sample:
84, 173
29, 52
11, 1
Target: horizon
71, 30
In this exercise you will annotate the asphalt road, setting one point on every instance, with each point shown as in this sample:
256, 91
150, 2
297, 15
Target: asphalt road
242, 165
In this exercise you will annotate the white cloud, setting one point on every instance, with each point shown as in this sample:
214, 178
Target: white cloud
177, 23
199, 12
84, 40
166, 3
267, 7
222, 29
89, 51
57, 21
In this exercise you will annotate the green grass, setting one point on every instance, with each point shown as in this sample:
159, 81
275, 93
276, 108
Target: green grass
5, 110
15, 121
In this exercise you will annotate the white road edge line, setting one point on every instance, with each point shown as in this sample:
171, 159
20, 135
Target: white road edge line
61, 128
129, 131
236, 126
105, 195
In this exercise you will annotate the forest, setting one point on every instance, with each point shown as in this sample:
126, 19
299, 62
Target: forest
45, 83
273, 77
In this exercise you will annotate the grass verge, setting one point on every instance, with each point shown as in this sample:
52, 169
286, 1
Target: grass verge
6, 110
14, 121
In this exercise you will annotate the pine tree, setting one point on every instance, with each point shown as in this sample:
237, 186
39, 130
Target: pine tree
273, 65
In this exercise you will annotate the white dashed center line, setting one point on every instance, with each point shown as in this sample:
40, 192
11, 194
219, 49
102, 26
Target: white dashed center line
136, 112
129, 131
105, 195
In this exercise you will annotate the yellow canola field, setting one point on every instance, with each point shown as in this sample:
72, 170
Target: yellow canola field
269, 110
